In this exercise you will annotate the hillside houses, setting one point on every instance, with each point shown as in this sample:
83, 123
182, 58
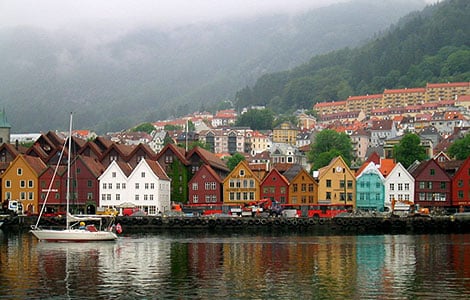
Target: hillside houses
106, 175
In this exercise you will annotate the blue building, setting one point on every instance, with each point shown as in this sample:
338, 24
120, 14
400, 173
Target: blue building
370, 189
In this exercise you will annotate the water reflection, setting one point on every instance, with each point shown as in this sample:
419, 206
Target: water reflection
185, 266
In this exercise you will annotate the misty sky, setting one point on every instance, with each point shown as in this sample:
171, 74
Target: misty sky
54, 14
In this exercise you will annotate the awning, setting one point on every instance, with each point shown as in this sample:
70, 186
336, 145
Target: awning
127, 205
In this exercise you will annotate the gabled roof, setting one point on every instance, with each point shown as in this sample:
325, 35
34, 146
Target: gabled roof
292, 172
386, 166
93, 147
11, 149
157, 169
209, 170
178, 151
208, 158
371, 167
36, 164
276, 172
145, 148
93, 165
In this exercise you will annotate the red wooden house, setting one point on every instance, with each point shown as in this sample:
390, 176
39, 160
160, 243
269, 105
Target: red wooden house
461, 185
205, 187
275, 187
433, 187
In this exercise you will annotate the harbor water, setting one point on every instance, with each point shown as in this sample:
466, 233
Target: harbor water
172, 265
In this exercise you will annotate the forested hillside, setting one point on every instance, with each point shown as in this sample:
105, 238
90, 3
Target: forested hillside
116, 80
430, 46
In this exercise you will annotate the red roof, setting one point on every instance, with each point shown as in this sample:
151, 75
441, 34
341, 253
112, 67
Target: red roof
401, 91
365, 97
447, 85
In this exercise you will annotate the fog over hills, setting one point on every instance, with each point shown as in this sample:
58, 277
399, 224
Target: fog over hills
115, 79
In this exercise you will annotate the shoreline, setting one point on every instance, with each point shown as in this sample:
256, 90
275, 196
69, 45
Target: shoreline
341, 225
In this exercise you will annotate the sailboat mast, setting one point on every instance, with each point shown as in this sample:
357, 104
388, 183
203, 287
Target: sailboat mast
67, 196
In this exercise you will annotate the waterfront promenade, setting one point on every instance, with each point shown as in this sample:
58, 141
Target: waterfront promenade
339, 225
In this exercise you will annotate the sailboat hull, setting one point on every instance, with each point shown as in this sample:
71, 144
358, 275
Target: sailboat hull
73, 235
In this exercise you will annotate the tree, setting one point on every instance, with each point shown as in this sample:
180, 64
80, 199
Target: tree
257, 119
329, 144
144, 127
234, 160
460, 149
409, 149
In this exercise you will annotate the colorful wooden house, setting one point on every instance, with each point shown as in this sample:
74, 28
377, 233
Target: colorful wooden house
433, 187
241, 186
205, 187
21, 181
336, 183
275, 187
399, 189
461, 185
303, 189
370, 189
173, 161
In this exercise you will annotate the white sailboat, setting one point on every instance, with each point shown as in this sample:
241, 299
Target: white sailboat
73, 233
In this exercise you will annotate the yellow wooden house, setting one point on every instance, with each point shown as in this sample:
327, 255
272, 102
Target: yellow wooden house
336, 183
20, 181
241, 185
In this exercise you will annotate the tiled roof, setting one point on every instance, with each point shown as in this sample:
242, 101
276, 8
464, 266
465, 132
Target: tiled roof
327, 104
365, 97
157, 169
401, 91
35, 163
447, 85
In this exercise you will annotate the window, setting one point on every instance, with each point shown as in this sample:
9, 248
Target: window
303, 188
142, 174
104, 186
19, 171
207, 186
242, 172
195, 198
89, 183
400, 186
113, 174
443, 185
328, 195
30, 183
429, 185
231, 183
23, 196
392, 186
341, 184
152, 185
118, 197
252, 183
124, 186
110, 186
460, 194
460, 183
432, 172
30, 195
136, 197
108, 197
146, 197
407, 186
213, 186
22, 183
146, 186
294, 187
310, 187
8, 185
118, 186
283, 190
328, 183
136, 185
89, 196
350, 184
195, 186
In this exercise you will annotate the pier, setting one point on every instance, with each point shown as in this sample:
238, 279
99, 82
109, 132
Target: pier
340, 225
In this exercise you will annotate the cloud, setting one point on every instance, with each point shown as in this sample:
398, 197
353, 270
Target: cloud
54, 14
